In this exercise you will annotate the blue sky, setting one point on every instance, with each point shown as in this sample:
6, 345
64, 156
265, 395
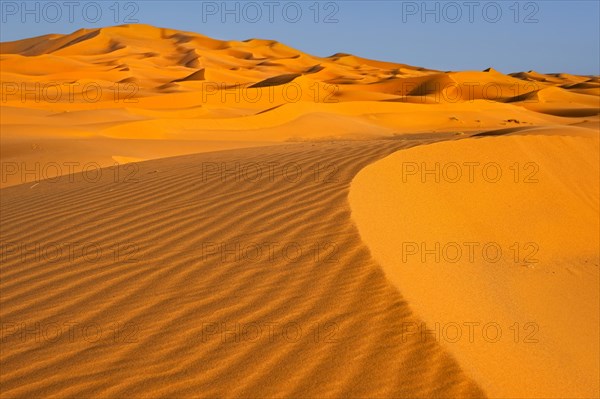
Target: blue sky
547, 36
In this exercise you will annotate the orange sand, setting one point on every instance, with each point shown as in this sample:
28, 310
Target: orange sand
142, 279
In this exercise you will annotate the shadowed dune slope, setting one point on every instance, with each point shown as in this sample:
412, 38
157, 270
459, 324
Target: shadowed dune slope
188, 318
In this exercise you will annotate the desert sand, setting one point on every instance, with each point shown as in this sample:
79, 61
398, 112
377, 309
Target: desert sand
136, 92
534, 240
238, 226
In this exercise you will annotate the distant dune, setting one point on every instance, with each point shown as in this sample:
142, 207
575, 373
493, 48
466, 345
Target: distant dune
186, 217
140, 92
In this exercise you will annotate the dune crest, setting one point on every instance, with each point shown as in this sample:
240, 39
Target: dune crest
517, 254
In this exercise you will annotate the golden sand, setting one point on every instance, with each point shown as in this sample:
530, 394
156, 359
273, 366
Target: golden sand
237, 226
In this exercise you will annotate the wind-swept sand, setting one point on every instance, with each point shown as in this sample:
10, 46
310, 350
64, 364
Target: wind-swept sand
179, 286
236, 268
438, 236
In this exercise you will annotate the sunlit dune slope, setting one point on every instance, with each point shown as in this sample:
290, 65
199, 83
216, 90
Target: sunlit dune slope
500, 231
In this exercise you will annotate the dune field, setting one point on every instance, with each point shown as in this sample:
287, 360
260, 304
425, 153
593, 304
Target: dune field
188, 217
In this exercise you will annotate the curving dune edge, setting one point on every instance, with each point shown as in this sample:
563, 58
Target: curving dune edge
505, 272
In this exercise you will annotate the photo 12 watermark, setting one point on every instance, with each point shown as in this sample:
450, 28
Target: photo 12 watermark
469, 252
84, 252
470, 172
253, 12
291, 332
267, 252
276, 90
54, 92
453, 12
269, 172
72, 12
471, 332
67, 172
68, 332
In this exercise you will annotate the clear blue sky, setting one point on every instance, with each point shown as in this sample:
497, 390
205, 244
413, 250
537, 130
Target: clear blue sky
548, 36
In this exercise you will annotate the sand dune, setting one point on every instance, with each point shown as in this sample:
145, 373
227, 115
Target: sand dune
177, 287
178, 220
540, 269
141, 82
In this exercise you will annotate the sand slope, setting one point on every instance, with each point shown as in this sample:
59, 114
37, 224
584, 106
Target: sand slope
547, 282
177, 287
